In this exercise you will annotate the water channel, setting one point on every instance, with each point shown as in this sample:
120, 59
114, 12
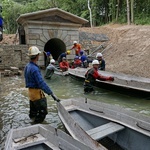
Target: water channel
14, 105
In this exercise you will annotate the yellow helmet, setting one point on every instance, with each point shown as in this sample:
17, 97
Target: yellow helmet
68, 52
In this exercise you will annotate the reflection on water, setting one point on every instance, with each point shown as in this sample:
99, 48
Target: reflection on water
15, 106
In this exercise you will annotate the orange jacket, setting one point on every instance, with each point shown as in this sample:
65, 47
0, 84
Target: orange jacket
77, 48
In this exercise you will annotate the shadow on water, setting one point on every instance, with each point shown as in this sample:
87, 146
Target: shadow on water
15, 105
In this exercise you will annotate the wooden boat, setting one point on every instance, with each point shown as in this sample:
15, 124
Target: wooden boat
112, 126
126, 84
65, 73
41, 137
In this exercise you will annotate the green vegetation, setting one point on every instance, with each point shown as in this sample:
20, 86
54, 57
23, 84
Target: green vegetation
103, 11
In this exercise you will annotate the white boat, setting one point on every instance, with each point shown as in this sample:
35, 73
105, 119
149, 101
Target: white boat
110, 125
41, 137
126, 84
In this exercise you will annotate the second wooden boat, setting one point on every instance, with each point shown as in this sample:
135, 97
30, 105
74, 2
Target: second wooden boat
41, 137
112, 126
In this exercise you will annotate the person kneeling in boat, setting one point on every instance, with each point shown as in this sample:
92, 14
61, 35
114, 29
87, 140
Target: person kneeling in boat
91, 76
64, 65
50, 69
63, 55
76, 63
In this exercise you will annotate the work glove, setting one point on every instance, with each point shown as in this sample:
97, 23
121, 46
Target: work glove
55, 98
111, 78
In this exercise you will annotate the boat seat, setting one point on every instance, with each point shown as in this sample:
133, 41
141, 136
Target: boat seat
104, 130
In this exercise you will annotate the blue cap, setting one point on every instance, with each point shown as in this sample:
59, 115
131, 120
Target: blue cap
48, 53
81, 52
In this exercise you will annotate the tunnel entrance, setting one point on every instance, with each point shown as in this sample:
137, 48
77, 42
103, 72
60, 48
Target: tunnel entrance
55, 46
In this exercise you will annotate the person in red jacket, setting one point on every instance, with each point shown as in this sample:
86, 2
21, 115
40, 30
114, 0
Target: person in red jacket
91, 76
77, 62
76, 47
64, 65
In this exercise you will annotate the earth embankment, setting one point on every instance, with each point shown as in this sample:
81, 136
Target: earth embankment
129, 48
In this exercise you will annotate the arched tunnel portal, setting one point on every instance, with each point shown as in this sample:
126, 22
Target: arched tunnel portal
55, 46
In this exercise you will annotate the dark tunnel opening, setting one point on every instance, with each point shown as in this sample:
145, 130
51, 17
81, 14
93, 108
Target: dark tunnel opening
55, 46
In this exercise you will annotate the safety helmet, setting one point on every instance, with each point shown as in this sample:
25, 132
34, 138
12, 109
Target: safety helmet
68, 52
95, 62
33, 50
52, 61
81, 52
64, 58
76, 57
75, 42
99, 55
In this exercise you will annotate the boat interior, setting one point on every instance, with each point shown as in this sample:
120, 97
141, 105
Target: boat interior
110, 134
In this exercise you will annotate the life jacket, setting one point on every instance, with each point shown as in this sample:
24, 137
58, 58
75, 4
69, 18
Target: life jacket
89, 76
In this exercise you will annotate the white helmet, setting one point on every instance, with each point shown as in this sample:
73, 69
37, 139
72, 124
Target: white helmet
52, 61
33, 50
75, 42
99, 55
95, 62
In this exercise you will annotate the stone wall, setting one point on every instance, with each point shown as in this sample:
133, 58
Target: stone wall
13, 56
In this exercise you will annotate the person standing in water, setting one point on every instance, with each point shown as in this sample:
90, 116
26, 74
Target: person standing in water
36, 87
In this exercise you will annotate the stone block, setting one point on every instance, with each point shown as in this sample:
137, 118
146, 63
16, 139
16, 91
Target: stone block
32, 42
46, 34
33, 36
40, 43
35, 31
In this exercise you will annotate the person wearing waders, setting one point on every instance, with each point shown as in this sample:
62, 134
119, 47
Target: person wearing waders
36, 87
91, 76
50, 69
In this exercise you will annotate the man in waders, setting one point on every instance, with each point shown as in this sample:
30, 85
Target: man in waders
91, 76
50, 69
36, 87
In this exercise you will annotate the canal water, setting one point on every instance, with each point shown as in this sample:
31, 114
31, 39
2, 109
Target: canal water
14, 104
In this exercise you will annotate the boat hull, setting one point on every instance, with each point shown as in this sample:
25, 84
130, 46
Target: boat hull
125, 84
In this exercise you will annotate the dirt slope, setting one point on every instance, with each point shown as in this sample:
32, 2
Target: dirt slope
129, 50
9, 39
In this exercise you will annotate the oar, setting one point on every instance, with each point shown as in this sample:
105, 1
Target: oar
55, 98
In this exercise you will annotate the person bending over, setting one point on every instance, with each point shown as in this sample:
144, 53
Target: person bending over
91, 76
50, 69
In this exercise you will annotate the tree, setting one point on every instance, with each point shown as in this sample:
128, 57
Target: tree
132, 11
128, 12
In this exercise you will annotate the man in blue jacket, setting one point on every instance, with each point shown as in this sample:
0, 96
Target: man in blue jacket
36, 87
1, 28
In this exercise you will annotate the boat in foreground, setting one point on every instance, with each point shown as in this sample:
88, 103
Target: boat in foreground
41, 137
126, 84
112, 126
